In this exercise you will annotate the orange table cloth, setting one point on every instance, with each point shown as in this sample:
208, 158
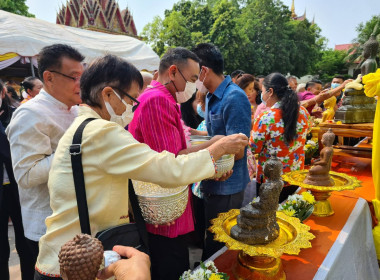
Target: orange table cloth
306, 264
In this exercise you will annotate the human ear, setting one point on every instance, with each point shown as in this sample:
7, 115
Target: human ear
106, 93
48, 77
172, 71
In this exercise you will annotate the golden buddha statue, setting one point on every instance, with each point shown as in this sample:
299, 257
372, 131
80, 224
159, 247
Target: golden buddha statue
329, 113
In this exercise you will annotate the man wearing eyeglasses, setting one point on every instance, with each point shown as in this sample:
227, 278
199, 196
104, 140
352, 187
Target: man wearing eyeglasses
34, 132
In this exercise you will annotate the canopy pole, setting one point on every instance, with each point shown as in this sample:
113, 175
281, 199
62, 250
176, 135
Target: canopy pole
31, 67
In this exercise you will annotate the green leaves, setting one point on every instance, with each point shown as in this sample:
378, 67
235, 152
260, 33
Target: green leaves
15, 6
257, 36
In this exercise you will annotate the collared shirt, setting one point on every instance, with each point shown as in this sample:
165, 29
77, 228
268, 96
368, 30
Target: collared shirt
33, 134
228, 111
267, 138
157, 123
110, 156
306, 95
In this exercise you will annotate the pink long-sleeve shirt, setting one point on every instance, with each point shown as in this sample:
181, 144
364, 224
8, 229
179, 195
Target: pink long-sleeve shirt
157, 123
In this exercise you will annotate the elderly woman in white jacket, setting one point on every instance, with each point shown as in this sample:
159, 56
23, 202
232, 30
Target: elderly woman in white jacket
110, 157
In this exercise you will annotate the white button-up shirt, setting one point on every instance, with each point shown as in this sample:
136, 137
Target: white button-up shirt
33, 133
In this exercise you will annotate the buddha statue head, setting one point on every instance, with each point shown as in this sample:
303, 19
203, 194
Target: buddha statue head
371, 47
273, 168
80, 258
328, 138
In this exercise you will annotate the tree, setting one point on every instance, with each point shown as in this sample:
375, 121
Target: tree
257, 36
186, 24
307, 44
364, 32
15, 6
152, 33
267, 43
331, 63
225, 34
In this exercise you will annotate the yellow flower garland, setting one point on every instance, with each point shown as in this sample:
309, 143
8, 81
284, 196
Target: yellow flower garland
371, 83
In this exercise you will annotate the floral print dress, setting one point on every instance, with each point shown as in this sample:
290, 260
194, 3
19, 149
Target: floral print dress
267, 138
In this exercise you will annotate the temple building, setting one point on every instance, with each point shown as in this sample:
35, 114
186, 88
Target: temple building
97, 15
294, 15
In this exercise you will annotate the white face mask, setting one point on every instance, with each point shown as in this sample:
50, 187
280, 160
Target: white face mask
187, 93
127, 115
200, 86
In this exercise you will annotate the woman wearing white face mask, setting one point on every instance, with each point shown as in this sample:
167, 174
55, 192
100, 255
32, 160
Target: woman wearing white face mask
111, 156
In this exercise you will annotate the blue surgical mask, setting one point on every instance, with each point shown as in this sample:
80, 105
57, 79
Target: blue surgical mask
200, 111
262, 100
334, 85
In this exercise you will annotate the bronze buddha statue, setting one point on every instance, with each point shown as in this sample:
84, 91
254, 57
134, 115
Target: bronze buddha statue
319, 173
257, 223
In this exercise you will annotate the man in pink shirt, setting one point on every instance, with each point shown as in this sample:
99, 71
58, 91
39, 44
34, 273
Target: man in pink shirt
313, 88
157, 122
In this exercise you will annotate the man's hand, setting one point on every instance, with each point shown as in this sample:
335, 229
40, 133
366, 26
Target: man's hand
225, 176
136, 267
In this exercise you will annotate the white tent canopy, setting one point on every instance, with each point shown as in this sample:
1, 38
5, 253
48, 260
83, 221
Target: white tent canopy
27, 36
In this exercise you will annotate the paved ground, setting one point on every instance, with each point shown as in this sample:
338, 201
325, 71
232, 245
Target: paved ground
14, 262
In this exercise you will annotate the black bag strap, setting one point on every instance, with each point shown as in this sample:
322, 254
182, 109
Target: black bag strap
80, 190
140, 223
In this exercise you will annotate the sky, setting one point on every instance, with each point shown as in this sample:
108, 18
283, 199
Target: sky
338, 19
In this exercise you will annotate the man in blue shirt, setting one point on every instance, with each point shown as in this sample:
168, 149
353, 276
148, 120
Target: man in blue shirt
228, 111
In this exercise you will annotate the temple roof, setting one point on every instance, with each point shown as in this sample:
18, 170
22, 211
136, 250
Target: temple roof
97, 15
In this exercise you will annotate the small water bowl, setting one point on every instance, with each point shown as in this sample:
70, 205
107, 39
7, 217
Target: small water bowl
224, 164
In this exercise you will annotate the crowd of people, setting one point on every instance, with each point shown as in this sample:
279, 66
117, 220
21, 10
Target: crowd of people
141, 130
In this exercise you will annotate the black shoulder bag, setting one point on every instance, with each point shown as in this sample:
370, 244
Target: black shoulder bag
132, 234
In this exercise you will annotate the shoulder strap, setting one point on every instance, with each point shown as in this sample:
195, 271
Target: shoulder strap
140, 223
80, 190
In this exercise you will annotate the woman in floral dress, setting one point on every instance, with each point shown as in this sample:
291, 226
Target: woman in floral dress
281, 129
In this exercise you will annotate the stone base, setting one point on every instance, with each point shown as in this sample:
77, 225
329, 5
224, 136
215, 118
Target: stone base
356, 108
264, 235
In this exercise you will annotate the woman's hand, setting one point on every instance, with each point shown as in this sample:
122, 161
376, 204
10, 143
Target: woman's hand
231, 144
136, 267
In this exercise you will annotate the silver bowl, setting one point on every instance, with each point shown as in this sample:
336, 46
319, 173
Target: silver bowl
224, 164
160, 205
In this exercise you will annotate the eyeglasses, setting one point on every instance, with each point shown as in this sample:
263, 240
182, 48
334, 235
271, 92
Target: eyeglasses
75, 79
135, 101
183, 76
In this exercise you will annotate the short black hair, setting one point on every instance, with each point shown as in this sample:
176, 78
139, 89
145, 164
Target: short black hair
236, 73
339, 77
111, 71
210, 57
50, 57
312, 83
176, 56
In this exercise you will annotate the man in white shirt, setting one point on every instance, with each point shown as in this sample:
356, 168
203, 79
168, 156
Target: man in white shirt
34, 132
